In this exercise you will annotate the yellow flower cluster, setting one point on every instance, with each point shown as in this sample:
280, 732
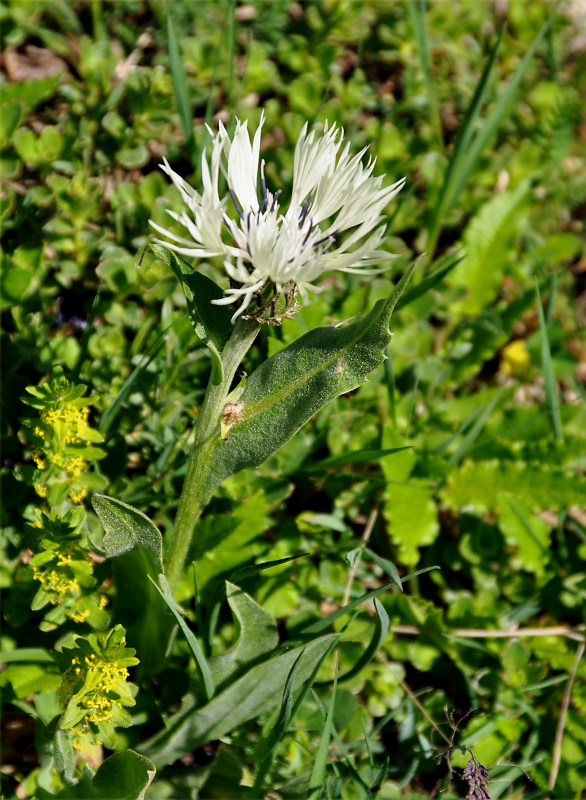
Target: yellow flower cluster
69, 424
102, 676
56, 582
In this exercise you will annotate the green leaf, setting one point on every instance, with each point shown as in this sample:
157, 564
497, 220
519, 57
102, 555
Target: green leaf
551, 392
194, 645
528, 533
288, 389
279, 729
318, 772
257, 691
123, 776
135, 544
27, 654
486, 241
10, 116
387, 566
258, 636
63, 755
212, 323
30, 678
380, 631
409, 504
32, 92
126, 528
15, 283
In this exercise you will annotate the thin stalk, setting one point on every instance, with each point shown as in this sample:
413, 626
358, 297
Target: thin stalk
195, 494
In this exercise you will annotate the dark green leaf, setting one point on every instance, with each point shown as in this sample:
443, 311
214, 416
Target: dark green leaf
212, 323
258, 690
194, 645
258, 637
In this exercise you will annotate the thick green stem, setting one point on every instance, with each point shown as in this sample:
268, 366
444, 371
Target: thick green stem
195, 494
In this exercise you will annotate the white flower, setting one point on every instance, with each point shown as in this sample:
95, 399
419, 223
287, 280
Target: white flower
333, 192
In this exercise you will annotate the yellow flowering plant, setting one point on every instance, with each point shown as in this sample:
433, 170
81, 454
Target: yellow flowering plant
64, 569
95, 693
62, 441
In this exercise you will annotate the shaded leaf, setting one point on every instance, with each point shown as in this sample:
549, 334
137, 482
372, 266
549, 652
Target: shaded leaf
212, 323
258, 636
126, 528
258, 690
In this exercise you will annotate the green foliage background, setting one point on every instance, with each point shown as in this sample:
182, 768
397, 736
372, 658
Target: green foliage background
485, 388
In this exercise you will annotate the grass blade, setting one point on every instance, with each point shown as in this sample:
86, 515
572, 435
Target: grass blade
318, 772
445, 199
416, 11
375, 787
253, 569
365, 456
475, 430
493, 120
551, 395
445, 267
179, 77
467, 149
304, 691
336, 736
280, 727
110, 413
380, 633
194, 645
231, 16
321, 624
441, 448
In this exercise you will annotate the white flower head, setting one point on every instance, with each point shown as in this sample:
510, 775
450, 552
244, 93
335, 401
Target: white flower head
333, 222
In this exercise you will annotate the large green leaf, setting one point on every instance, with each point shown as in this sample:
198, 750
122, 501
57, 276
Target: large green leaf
258, 690
258, 636
212, 323
135, 544
123, 776
290, 387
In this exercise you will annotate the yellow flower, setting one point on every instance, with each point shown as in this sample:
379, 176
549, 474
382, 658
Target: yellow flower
515, 359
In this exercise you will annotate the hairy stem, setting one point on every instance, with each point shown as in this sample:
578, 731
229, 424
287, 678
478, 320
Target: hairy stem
195, 494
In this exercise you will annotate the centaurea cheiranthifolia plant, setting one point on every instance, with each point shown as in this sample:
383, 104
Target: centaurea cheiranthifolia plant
334, 221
